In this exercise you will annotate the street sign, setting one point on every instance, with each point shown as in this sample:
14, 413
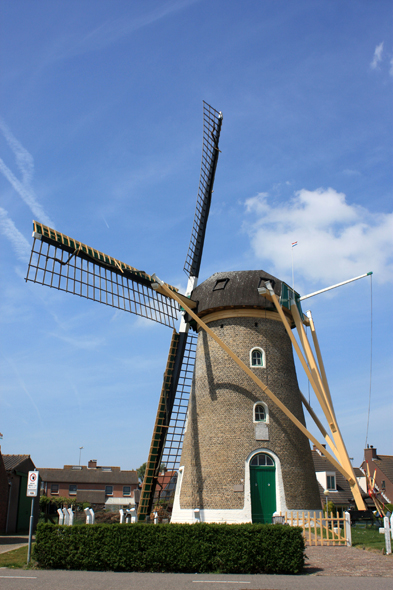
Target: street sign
32, 484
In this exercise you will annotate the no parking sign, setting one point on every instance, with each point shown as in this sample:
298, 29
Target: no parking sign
32, 484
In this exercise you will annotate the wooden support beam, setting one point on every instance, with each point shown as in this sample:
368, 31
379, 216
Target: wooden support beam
296, 346
321, 395
319, 424
320, 361
338, 439
260, 383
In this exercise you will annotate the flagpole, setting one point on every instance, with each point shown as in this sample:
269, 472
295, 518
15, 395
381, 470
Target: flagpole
293, 278
293, 275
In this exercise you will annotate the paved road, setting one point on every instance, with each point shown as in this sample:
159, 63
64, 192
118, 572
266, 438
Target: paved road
64, 580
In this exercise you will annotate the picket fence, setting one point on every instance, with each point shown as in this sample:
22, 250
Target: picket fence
319, 529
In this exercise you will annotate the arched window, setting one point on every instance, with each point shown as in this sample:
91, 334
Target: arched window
261, 460
257, 357
261, 413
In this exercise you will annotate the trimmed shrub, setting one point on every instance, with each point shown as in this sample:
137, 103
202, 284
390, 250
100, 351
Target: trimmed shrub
202, 548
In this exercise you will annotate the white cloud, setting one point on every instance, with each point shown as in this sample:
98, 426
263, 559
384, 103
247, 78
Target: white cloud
336, 241
111, 31
84, 343
25, 163
377, 56
18, 241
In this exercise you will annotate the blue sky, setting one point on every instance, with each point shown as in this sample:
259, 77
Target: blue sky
100, 137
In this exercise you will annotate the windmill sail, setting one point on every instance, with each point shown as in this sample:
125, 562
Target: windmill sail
63, 263
166, 447
168, 433
212, 121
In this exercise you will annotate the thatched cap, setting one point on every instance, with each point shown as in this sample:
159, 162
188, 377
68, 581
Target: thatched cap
236, 289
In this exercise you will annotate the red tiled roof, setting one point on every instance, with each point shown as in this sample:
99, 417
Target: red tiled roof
164, 479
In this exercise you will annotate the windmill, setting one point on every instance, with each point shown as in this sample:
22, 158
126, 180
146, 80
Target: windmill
246, 451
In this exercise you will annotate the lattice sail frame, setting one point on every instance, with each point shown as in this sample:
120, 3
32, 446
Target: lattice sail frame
212, 121
174, 440
168, 434
63, 263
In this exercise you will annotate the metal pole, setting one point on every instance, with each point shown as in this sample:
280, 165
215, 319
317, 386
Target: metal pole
334, 286
30, 529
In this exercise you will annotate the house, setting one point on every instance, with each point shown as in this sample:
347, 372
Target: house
103, 487
166, 484
382, 466
15, 508
3, 496
337, 487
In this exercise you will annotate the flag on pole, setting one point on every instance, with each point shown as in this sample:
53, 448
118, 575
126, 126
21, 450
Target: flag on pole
294, 244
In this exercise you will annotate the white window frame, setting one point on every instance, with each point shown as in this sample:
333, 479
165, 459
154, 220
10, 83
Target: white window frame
128, 493
52, 490
73, 493
263, 365
333, 475
108, 493
266, 420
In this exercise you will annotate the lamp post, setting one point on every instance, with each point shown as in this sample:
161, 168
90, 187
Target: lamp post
326, 493
80, 454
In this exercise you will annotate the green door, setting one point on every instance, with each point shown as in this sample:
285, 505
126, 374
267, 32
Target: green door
24, 505
263, 488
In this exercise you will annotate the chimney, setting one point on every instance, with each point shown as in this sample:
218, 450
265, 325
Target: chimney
370, 453
92, 464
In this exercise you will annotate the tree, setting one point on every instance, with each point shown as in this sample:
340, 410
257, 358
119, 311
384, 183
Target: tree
141, 470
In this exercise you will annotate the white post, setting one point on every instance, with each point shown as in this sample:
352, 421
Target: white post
155, 517
391, 525
133, 514
70, 517
92, 515
388, 542
88, 515
65, 513
348, 532
121, 516
61, 516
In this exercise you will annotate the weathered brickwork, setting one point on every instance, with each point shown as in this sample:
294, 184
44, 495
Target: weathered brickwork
220, 431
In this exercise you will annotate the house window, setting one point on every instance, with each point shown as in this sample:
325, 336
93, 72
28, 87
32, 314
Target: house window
126, 490
72, 489
330, 481
108, 490
54, 488
383, 485
257, 357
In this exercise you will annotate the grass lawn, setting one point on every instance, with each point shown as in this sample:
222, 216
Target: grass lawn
14, 559
368, 537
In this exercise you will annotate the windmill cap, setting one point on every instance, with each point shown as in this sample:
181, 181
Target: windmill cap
234, 289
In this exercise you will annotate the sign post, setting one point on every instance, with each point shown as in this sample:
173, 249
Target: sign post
32, 491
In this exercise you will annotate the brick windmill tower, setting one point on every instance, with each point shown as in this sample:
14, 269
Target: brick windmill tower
230, 389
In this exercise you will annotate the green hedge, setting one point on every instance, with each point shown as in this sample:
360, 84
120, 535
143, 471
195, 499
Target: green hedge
197, 548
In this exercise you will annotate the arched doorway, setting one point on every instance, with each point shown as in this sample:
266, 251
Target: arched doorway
263, 487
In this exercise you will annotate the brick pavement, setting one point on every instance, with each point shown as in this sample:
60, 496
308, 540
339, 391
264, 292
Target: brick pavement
347, 561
